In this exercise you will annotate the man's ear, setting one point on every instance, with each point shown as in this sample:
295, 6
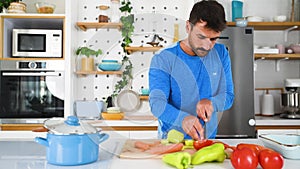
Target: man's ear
187, 26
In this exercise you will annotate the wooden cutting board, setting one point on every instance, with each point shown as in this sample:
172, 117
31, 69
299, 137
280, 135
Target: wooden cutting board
130, 151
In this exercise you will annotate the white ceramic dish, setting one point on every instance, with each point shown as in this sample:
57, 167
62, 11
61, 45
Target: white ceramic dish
241, 22
255, 19
286, 144
279, 18
112, 110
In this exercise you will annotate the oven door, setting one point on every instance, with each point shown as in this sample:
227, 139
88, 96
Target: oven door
30, 95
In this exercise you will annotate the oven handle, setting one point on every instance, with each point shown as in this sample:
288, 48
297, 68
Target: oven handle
31, 74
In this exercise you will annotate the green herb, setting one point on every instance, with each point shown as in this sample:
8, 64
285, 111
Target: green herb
86, 51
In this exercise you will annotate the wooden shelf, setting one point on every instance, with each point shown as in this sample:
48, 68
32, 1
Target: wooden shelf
257, 25
132, 49
276, 56
99, 72
269, 25
32, 16
98, 25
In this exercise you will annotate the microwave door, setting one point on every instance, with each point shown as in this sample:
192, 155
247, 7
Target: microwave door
31, 44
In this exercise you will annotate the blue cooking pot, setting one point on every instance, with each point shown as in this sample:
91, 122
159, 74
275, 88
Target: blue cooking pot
71, 142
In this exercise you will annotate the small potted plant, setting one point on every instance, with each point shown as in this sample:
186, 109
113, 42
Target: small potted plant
87, 57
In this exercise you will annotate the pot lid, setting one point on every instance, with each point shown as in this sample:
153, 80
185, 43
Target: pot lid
68, 126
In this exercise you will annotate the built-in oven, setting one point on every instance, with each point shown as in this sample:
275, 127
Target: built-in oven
31, 91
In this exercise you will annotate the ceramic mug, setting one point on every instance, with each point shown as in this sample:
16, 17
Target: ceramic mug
281, 48
267, 105
144, 91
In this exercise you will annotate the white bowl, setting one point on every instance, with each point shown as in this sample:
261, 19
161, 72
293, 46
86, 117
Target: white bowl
241, 22
255, 19
279, 18
288, 145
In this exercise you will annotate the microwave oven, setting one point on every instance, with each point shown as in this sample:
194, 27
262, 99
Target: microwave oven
36, 43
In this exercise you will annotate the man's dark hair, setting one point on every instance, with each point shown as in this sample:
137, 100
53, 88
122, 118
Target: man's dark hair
210, 11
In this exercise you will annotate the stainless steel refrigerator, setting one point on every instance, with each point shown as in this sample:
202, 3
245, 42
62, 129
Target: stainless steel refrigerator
239, 120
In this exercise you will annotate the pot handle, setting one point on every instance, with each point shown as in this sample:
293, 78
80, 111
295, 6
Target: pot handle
42, 141
102, 137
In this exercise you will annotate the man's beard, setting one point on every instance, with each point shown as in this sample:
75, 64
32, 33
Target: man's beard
200, 51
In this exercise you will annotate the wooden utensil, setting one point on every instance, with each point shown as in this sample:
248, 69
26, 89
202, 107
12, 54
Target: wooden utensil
292, 19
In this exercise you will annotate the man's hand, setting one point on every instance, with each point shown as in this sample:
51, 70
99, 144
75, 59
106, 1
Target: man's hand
204, 109
193, 127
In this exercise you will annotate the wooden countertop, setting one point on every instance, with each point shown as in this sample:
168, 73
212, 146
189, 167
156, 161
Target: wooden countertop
138, 123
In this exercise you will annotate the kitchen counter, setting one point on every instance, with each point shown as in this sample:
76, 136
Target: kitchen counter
151, 123
276, 121
28, 154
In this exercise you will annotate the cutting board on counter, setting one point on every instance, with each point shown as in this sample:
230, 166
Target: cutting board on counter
131, 151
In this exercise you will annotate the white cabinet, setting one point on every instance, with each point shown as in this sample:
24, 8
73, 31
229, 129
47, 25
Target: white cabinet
143, 134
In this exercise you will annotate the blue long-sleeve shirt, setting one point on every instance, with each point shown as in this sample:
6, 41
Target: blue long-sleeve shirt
177, 81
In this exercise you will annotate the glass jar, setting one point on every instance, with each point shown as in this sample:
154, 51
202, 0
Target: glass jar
103, 17
115, 11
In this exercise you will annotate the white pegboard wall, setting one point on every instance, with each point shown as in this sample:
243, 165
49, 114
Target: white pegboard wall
151, 17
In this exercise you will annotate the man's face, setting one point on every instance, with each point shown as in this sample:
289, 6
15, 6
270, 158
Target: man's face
201, 39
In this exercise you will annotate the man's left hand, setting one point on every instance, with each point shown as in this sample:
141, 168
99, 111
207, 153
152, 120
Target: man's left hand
204, 109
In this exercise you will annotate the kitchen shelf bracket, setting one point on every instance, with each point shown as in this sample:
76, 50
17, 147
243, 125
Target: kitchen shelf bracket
255, 64
287, 31
278, 63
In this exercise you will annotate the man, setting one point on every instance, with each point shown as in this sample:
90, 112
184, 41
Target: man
191, 81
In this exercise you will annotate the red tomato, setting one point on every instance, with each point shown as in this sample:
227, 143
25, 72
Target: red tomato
269, 159
254, 147
202, 143
244, 158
